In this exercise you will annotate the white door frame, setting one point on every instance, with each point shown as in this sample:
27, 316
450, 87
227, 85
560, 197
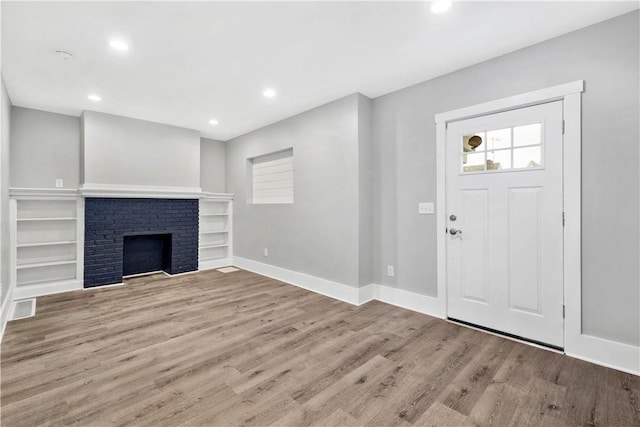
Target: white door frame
597, 350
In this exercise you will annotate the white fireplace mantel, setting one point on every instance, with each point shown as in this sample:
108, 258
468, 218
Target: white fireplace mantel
146, 191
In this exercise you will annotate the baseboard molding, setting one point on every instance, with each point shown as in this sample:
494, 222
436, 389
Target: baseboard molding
6, 310
411, 301
318, 285
356, 296
210, 265
32, 291
612, 354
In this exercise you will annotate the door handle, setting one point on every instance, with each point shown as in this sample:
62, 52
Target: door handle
454, 231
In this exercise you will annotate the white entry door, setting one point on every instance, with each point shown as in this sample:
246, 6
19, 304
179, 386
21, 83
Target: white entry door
504, 222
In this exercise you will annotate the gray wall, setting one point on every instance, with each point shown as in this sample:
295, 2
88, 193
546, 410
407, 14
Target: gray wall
5, 105
606, 57
365, 192
212, 165
122, 151
319, 233
44, 146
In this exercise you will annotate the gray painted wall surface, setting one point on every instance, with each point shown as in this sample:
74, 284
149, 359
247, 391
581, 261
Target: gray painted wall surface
365, 192
212, 165
123, 151
606, 57
5, 105
44, 146
319, 233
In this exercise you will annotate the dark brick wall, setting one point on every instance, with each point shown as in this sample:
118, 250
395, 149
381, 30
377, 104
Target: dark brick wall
108, 220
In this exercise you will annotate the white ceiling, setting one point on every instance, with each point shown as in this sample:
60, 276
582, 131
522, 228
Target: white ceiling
190, 62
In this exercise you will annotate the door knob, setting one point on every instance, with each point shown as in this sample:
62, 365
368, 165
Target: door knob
454, 231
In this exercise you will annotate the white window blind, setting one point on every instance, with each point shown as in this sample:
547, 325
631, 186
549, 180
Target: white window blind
272, 177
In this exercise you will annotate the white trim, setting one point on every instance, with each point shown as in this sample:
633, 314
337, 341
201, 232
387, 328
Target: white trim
140, 191
43, 193
6, 310
221, 196
612, 354
367, 293
350, 294
522, 100
32, 291
216, 263
318, 285
410, 300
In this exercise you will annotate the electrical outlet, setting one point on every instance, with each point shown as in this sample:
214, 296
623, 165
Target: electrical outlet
390, 271
266, 252
59, 183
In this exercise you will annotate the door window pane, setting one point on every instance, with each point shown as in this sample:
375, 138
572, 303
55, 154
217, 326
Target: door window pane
473, 143
500, 138
527, 135
498, 160
530, 157
473, 162
518, 147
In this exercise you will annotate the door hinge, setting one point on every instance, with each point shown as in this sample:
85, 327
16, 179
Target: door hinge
563, 311
563, 127
563, 220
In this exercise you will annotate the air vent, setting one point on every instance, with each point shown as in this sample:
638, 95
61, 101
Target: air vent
24, 308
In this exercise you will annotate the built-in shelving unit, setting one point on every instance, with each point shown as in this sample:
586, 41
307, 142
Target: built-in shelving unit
215, 240
46, 240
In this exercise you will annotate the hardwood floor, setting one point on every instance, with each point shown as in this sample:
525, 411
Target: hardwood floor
213, 349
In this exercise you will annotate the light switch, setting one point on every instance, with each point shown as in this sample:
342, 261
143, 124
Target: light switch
425, 208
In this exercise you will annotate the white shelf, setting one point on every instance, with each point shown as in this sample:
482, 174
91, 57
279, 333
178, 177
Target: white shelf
47, 219
58, 243
215, 246
222, 245
46, 238
44, 264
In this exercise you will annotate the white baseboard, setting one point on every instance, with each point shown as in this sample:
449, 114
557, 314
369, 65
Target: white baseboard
6, 310
612, 354
32, 291
318, 285
411, 301
356, 296
216, 263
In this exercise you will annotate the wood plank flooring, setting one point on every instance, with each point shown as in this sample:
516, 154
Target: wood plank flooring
213, 349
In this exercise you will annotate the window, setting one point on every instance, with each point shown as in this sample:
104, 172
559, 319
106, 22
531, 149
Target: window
513, 148
271, 178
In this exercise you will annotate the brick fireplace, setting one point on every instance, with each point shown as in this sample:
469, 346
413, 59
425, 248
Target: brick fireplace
109, 220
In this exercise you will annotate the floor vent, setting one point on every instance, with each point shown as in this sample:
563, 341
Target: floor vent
24, 308
227, 269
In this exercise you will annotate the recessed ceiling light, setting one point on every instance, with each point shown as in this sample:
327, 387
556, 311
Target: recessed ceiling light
118, 44
213, 122
269, 93
440, 6
94, 97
